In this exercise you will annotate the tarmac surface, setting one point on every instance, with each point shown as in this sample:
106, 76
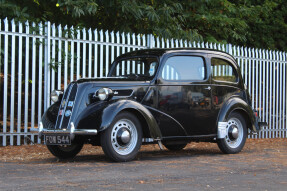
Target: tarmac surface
262, 165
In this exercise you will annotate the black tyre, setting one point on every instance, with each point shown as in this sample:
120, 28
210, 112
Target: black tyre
122, 140
175, 147
236, 136
65, 151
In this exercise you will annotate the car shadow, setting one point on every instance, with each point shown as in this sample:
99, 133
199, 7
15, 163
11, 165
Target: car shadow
186, 153
157, 155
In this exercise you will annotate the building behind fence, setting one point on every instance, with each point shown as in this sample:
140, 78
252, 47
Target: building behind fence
38, 58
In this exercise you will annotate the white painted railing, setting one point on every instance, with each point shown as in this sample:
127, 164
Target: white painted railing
38, 58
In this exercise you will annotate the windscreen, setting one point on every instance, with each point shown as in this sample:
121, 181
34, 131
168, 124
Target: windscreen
140, 68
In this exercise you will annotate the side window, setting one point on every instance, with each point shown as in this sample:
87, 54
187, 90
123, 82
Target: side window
222, 70
184, 68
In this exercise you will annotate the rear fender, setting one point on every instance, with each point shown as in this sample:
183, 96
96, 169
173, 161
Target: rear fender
239, 105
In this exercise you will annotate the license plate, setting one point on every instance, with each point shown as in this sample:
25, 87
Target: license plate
57, 139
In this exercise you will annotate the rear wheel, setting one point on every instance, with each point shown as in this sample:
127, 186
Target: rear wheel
122, 140
236, 136
65, 151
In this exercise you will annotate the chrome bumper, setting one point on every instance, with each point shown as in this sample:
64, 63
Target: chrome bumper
72, 131
221, 130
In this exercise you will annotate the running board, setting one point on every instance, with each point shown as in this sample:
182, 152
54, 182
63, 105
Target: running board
147, 140
151, 140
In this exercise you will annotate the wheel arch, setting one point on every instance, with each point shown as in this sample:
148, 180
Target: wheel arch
149, 125
237, 104
245, 116
143, 122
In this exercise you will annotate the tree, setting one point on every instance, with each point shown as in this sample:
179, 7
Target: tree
253, 23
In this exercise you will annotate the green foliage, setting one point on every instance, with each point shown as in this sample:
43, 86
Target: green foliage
78, 8
253, 23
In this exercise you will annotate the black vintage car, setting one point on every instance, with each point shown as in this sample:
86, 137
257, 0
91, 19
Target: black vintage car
165, 96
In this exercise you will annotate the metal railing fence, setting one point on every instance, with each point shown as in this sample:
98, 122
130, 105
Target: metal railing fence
37, 58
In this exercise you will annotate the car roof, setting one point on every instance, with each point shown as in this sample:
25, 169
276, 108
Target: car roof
161, 51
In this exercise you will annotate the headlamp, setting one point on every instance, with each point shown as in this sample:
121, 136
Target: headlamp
55, 94
105, 94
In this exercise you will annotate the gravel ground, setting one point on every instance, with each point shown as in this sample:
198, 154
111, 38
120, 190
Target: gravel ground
262, 165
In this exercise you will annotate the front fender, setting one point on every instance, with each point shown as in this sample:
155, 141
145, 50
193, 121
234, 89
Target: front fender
100, 115
91, 116
49, 118
110, 112
238, 104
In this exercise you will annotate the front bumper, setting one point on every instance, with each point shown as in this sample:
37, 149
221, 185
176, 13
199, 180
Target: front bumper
72, 131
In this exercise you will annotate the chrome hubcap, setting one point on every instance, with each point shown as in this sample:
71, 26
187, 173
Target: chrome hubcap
233, 132
124, 137
234, 135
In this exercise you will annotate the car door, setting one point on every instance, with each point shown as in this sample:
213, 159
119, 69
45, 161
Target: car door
184, 94
225, 81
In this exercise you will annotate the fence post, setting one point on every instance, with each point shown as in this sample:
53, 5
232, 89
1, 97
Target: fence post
0, 52
5, 90
228, 48
150, 41
46, 66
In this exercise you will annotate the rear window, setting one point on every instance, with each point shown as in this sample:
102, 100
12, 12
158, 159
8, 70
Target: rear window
222, 70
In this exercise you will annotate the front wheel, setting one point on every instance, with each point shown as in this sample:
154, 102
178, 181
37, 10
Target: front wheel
236, 136
65, 151
122, 140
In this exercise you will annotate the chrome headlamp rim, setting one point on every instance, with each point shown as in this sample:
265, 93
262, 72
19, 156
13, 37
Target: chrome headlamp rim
55, 94
104, 94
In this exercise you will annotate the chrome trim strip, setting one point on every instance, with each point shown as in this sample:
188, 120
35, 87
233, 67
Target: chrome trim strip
120, 90
61, 117
66, 103
73, 106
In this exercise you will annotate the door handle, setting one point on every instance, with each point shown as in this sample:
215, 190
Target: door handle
208, 88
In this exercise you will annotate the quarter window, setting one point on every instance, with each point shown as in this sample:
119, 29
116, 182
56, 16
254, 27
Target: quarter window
184, 68
223, 71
